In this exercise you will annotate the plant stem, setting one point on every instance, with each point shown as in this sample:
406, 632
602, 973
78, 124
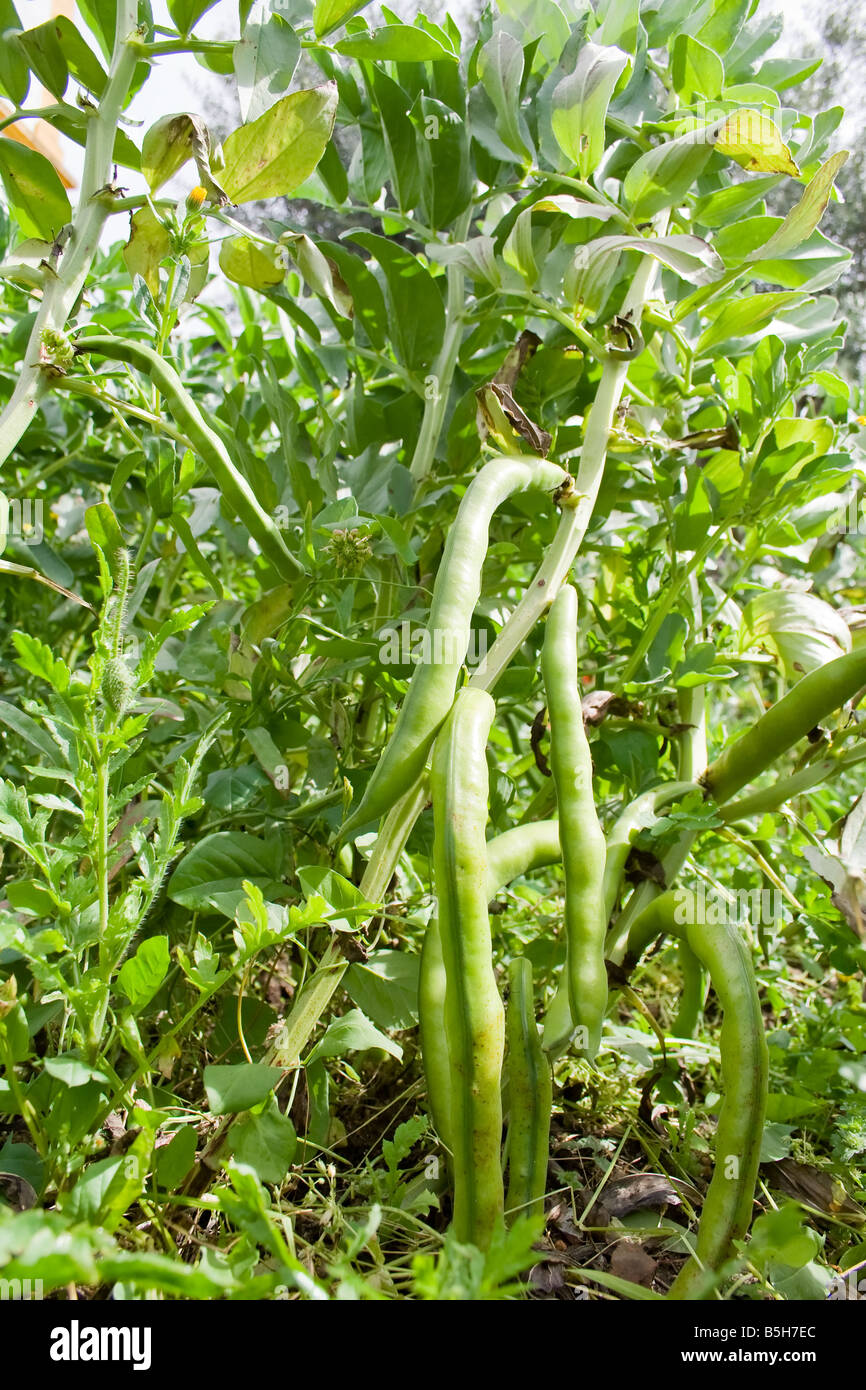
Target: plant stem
101, 859
62, 291
575, 520
443, 371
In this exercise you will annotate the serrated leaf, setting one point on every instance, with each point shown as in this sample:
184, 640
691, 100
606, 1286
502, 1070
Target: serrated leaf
37, 658
141, 976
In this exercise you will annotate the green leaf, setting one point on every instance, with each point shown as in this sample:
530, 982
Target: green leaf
662, 177
385, 988
257, 265
100, 16
106, 1189
211, 874
104, 531
27, 729
367, 298
353, 1033
744, 318
44, 53
37, 658
417, 313
397, 43
43, 1245
73, 1071
265, 1142
271, 157
56, 49
696, 70
446, 167
579, 105
231, 1089
36, 195
330, 14
804, 217
175, 1159
14, 72
500, 67
264, 61
803, 630
141, 976
186, 13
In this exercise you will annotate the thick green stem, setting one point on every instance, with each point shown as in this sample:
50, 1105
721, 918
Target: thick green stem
575, 520
94, 205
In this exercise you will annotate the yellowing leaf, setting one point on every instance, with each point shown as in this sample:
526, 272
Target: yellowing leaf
755, 142
148, 244
248, 263
168, 144
276, 153
802, 220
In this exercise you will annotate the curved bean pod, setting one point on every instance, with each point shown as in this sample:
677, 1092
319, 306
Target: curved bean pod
727, 1209
211, 449
474, 1018
813, 697
520, 850
530, 1092
581, 837
455, 594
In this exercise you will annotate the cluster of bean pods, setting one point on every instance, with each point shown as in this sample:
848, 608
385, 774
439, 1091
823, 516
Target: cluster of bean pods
473, 1056
483, 1067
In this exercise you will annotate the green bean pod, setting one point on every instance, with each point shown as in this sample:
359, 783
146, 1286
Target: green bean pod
812, 699
727, 1209
455, 594
530, 1097
581, 837
474, 1035
209, 446
685, 1023
520, 850
431, 1029
510, 855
